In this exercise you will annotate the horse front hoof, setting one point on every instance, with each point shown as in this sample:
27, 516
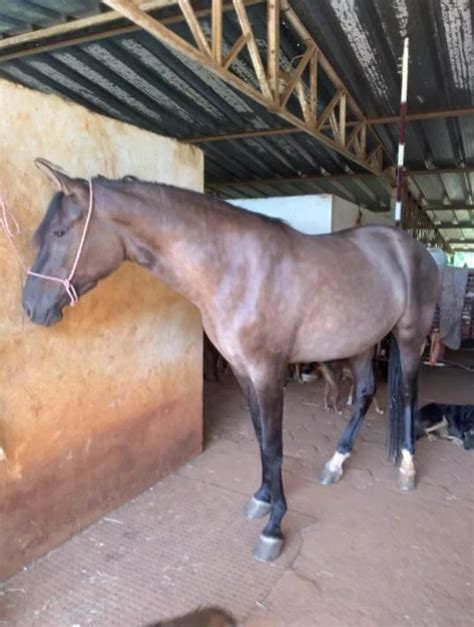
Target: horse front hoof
267, 548
330, 475
256, 509
406, 481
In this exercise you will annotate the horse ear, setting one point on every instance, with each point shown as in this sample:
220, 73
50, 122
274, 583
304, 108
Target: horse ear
57, 175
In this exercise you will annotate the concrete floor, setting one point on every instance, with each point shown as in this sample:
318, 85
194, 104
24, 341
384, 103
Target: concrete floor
357, 553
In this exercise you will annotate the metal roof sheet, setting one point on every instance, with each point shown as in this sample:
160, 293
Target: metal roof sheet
135, 78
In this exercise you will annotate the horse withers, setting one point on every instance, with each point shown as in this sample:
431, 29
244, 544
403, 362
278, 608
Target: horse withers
268, 295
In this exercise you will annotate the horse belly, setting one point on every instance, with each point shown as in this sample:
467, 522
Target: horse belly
341, 332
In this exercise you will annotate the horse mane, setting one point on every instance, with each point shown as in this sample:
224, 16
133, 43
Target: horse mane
204, 201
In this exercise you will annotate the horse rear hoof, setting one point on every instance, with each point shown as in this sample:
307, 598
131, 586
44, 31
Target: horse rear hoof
267, 549
406, 482
330, 475
256, 509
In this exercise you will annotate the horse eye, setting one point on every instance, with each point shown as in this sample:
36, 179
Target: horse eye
59, 233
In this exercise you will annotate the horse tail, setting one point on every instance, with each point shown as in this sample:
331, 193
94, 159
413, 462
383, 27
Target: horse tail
395, 431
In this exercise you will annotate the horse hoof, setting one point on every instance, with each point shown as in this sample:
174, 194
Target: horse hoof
330, 475
406, 482
256, 509
267, 549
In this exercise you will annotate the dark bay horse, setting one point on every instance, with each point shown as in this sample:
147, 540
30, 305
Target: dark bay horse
268, 294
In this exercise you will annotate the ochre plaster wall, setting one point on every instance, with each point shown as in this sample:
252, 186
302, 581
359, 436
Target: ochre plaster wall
99, 407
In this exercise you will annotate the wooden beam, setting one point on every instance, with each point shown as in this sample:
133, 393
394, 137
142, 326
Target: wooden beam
297, 73
342, 119
235, 51
253, 49
435, 171
461, 242
426, 115
370, 121
315, 178
462, 224
202, 139
273, 48
263, 95
300, 92
452, 207
313, 86
40, 40
323, 118
194, 26
217, 30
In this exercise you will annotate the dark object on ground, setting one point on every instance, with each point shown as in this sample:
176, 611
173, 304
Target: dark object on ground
206, 617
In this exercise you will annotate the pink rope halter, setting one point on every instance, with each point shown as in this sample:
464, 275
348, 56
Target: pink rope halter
7, 218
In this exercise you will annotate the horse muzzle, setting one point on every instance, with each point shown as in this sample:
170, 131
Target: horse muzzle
45, 318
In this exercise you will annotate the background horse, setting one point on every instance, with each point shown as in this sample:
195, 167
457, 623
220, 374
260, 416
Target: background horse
268, 294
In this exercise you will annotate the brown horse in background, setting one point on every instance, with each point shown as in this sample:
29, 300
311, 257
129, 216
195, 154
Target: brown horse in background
268, 294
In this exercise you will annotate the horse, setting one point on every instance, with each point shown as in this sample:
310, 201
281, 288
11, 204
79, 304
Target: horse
268, 295
333, 372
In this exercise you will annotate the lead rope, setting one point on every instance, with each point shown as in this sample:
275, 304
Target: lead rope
11, 228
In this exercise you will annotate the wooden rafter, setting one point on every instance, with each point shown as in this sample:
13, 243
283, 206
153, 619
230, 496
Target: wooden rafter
296, 74
194, 26
454, 226
217, 15
420, 225
316, 178
457, 206
430, 115
335, 135
273, 48
277, 94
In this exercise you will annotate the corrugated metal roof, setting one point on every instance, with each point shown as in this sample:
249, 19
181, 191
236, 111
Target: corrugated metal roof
135, 78
19, 17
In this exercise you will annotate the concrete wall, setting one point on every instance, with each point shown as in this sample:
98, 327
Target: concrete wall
314, 214
344, 214
309, 214
102, 405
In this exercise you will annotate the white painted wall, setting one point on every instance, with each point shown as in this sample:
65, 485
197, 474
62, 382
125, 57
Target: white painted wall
313, 214
309, 214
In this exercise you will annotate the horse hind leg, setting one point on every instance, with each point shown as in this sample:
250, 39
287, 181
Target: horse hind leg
364, 392
403, 393
331, 386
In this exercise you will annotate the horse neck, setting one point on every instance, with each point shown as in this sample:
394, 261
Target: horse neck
163, 230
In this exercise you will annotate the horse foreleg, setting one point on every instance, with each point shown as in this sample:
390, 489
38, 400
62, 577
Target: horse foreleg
260, 504
364, 392
270, 402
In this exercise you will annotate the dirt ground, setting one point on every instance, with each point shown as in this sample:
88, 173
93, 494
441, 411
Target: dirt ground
357, 553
